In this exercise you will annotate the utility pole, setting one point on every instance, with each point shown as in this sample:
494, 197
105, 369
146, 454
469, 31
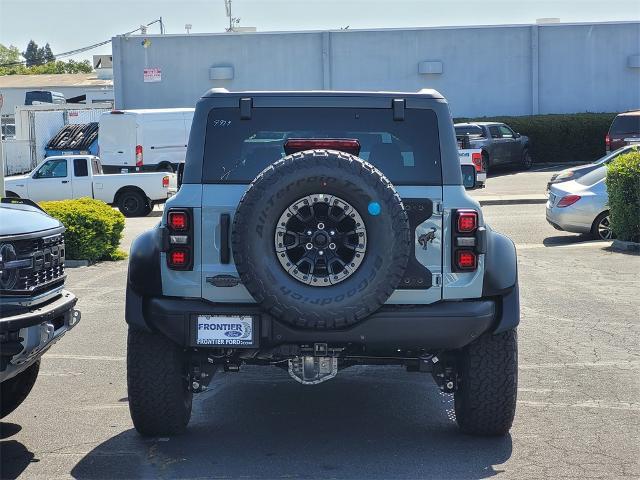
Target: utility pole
161, 26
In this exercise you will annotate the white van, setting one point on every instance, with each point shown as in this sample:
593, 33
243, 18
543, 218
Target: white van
144, 140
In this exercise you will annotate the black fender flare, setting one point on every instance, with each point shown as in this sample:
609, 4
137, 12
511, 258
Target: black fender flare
144, 277
501, 279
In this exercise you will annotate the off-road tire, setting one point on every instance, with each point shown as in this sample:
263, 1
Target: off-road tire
133, 204
485, 402
159, 398
332, 173
15, 390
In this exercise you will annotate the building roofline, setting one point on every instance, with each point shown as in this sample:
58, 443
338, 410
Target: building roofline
387, 29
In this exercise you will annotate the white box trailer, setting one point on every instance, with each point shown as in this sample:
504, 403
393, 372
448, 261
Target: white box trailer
35, 125
144, 140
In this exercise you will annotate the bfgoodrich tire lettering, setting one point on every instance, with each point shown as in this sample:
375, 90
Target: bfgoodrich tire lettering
485, 401
159, 399
329, 173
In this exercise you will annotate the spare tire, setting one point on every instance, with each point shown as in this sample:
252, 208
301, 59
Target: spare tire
321, 239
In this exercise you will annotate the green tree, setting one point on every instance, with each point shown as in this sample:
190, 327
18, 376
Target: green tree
31, 54
9, 55
48, 54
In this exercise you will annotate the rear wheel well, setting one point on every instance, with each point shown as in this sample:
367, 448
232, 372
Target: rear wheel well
129, 188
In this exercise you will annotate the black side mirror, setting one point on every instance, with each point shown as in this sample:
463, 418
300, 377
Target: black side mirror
469, 178
518, 135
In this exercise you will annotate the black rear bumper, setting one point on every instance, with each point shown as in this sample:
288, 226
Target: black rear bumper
444, 325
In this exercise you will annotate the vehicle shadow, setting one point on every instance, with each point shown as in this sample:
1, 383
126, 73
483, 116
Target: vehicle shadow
566, 239
363, 424
14, 456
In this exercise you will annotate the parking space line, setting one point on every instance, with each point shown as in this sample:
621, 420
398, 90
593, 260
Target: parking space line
621, 364
587, 404
85, 357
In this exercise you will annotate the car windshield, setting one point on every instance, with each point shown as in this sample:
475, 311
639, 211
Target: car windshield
407, 152
469, 130
593, 177
625, 124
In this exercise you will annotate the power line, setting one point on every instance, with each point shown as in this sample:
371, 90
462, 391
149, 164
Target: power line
90, 47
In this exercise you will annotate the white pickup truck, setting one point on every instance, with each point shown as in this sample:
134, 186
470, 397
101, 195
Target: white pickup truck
473, 156
76, 176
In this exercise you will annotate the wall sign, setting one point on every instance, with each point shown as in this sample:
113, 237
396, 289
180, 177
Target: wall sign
152, 75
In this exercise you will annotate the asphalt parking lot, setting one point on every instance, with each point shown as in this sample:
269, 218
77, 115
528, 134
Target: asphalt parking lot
578, 409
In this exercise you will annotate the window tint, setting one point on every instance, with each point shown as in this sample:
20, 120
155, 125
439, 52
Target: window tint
626, 124
407, 152
495, 133
53, 169
469, 130
505, 132
593, 177
80, 167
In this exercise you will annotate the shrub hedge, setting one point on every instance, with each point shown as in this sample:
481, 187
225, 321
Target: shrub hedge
94, 229
560, 138
623, 187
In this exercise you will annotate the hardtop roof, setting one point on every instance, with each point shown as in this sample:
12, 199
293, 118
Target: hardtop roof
424, 93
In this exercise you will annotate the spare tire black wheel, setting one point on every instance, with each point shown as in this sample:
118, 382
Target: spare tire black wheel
321, 239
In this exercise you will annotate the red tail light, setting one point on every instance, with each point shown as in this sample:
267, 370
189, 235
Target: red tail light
139, 161
466, 260
179, 258
568, 200
476, 158
607, 142
467, 221
347, 145
165, 182
178, 221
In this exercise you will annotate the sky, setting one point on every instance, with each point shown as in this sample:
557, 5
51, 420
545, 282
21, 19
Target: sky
72, 24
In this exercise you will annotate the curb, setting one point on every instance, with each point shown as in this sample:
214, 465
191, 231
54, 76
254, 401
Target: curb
511, 201
623, 246
76, 263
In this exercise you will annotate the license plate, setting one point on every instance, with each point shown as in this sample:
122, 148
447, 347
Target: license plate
225, 330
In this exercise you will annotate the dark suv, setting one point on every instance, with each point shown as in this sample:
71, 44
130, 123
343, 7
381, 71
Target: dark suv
314, 231
624, 130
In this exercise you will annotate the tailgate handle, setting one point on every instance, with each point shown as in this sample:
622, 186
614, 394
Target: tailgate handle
225, 254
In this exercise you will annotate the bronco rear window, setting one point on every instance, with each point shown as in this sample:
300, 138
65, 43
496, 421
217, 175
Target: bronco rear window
407, 152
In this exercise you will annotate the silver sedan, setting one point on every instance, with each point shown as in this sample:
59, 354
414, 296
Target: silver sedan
581, 206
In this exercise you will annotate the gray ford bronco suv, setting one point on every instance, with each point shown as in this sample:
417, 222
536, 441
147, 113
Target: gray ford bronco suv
35, 309
314, 231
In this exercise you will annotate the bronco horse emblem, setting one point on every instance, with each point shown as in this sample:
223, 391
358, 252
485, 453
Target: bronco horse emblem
426, 238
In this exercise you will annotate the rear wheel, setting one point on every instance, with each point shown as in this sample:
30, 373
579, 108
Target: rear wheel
485, 162
485, 402
157, 380
15, 390
133, 204
527, 159
165, 167
601, 229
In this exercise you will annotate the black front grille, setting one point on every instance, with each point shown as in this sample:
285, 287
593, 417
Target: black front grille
42, 265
